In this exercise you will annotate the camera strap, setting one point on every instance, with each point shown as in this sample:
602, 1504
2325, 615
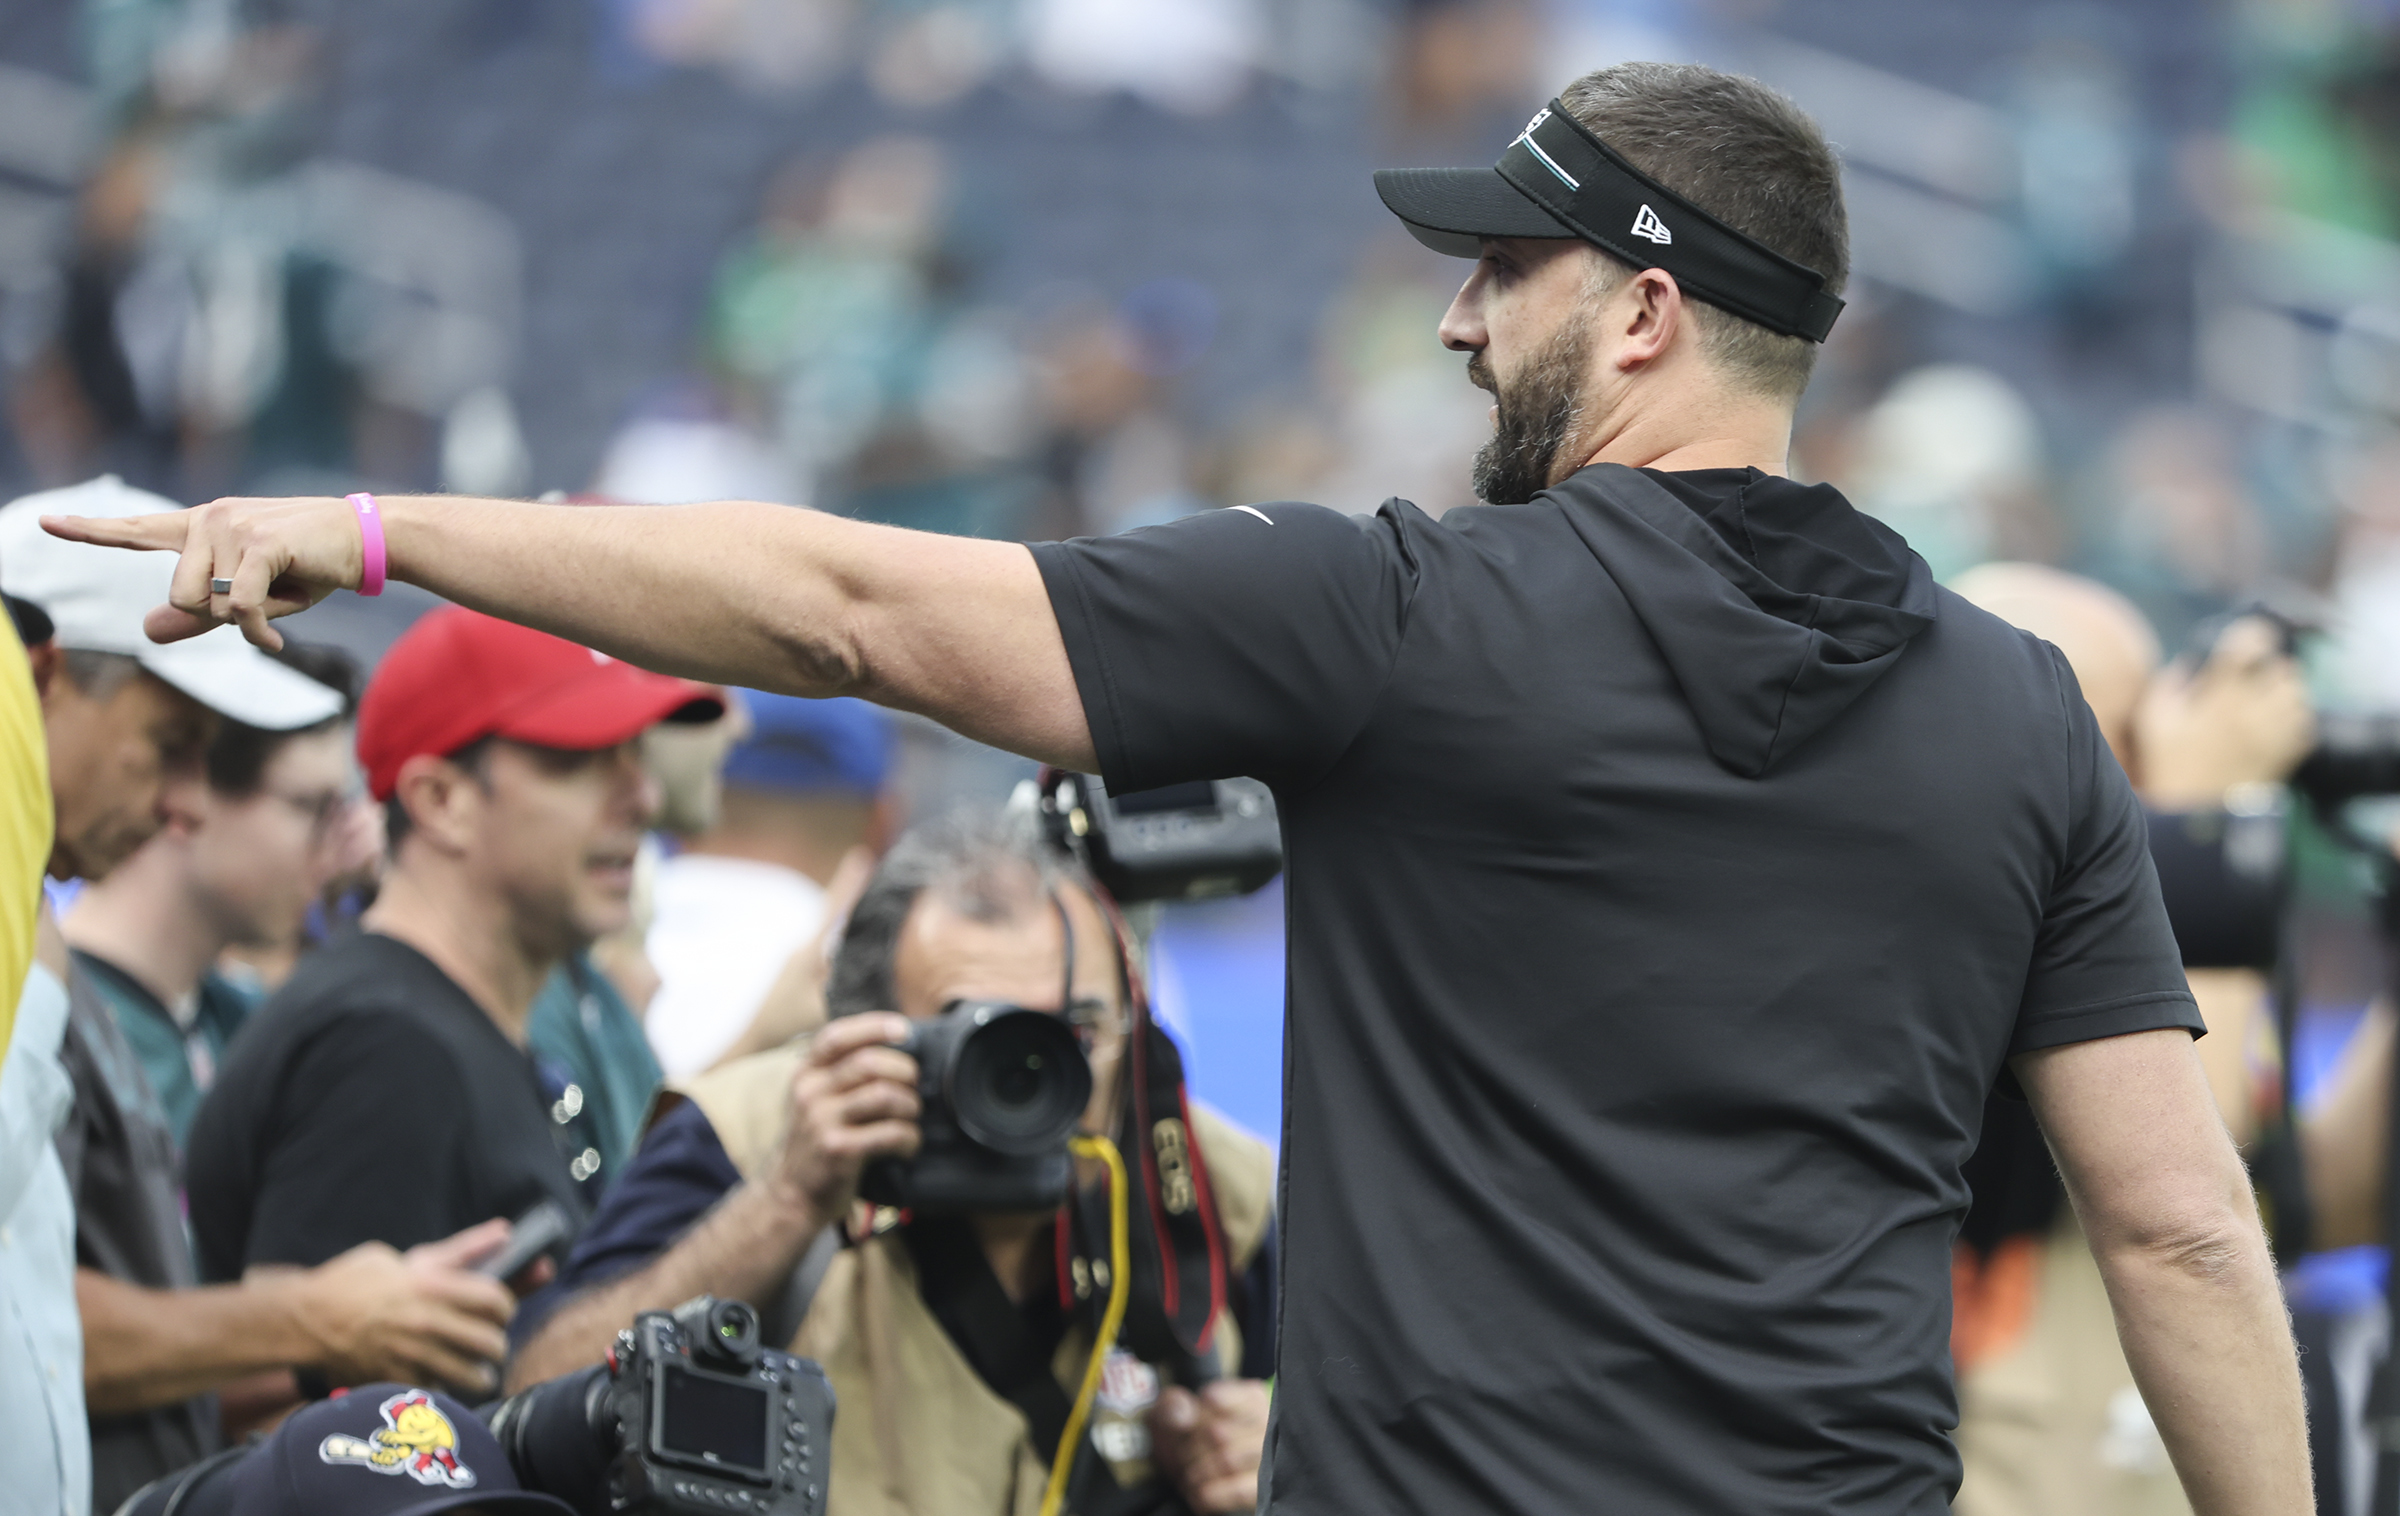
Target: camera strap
1177, 1245
1011, 1347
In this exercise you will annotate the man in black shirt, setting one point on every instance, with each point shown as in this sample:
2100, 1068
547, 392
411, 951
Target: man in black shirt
385, 1093
1672, 867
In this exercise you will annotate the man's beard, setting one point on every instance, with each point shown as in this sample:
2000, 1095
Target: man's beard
1539, 410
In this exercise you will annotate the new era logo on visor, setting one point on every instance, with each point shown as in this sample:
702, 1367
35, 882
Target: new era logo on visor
1647, 224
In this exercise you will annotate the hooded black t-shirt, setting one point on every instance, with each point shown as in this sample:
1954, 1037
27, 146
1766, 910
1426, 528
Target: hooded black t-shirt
1671, 866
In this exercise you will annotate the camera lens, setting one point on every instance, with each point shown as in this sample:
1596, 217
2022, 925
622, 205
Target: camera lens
1020, 1082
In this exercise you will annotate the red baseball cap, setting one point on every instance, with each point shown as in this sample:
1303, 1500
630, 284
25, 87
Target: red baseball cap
459, 676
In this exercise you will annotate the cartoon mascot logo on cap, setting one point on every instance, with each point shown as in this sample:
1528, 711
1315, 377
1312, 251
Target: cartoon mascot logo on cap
415, 1439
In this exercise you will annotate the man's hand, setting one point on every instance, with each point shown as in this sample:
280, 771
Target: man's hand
854, 1099
282, 556
1210, 1443
423, 1317
2243, 717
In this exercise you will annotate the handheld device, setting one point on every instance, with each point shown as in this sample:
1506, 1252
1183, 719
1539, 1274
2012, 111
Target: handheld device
535, 1233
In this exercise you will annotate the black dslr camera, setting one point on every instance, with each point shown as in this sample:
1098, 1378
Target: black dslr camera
690, 1413
1003, 1089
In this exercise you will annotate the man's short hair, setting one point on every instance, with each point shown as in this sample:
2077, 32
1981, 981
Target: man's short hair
986, 865
238, 757
1749, 157
98, 675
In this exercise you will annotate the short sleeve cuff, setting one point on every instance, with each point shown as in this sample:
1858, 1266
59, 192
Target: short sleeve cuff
2151, 1012
1093, 684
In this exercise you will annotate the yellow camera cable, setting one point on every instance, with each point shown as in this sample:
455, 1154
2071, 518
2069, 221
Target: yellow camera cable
1062, 1463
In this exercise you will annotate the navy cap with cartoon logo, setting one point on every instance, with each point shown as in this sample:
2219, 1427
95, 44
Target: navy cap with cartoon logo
382, 1450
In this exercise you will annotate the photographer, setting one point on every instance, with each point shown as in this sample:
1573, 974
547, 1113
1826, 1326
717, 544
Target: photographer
953, 1342
1673, 866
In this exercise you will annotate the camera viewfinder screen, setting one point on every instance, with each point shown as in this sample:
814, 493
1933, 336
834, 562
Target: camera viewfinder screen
1199, 795
720, 1421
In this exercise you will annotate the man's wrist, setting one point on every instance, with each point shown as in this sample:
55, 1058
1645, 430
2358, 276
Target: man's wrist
295, 1299
792, 1214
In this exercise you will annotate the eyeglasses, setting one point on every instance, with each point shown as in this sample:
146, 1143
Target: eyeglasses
323, 808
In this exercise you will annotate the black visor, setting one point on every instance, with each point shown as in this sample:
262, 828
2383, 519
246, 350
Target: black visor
1558, 180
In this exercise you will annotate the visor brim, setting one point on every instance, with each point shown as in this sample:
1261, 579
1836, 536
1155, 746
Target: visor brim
1452, 210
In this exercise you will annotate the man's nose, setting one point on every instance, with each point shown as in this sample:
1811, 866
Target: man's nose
1462, 330
640, 788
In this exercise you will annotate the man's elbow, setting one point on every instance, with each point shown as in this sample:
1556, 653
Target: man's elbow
2217, 1243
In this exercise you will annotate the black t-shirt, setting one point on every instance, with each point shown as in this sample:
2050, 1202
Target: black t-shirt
1670, 868
369, 1100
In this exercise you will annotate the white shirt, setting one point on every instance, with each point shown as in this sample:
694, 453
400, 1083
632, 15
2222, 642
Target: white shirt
46, 1453
723, 930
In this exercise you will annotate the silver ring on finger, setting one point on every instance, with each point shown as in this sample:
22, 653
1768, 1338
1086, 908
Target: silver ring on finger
220, 586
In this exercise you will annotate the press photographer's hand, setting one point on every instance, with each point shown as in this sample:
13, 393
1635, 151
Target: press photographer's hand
2242, 717
854, 1099
1210, 1442
282, 556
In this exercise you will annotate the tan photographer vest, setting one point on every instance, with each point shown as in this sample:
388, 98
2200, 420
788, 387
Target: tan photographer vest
918, 1432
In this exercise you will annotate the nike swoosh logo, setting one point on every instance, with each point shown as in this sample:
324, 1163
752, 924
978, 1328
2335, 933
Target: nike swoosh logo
1255, 511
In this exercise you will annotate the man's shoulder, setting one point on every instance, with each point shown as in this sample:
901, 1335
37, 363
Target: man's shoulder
357, 1005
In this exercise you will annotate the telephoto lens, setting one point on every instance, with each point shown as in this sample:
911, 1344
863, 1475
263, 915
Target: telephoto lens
1017, 1080
560, 1436
1003, 1089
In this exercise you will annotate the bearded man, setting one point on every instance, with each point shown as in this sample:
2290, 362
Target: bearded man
1673, 867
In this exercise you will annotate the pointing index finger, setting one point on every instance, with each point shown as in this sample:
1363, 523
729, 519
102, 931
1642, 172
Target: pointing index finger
164, 530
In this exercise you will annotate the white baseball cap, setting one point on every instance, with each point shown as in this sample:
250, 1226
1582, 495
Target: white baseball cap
97, 596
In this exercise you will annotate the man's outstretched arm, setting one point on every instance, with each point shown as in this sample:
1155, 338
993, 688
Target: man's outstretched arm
2167, 1206
955, 628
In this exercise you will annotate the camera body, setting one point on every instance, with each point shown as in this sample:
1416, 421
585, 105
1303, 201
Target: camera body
2356, 755
1003, 1089
1196, 841
691, 1413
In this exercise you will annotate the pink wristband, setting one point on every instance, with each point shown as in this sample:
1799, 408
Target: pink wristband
370, 536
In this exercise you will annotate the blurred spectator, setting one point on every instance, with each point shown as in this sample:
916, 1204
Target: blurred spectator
246, 851
1952, 458
154, 1348
45, 1469
386, 1091
801, 791
2188, 541
845, 320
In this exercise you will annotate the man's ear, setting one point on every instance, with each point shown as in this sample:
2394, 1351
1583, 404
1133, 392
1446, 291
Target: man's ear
186, 801
1650, 305
443, 801
47, 662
